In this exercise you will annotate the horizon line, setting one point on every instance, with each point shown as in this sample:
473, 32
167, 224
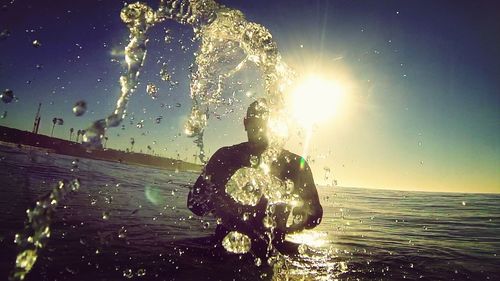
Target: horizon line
406, 190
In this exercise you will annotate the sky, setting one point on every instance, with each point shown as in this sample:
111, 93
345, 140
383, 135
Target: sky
421, 108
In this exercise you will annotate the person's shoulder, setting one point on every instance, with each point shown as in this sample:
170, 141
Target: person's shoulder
229, 151
290, 156
230, 148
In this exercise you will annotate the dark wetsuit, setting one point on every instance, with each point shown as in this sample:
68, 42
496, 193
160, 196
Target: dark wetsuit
208, 194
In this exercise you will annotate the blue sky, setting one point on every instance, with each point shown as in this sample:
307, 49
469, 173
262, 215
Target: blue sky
424, 105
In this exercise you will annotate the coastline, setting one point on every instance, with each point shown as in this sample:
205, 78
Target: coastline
27, 140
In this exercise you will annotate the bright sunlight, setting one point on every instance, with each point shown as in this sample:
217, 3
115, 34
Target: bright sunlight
315, 100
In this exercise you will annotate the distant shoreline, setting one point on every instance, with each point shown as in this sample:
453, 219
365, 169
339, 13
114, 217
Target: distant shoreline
15, 137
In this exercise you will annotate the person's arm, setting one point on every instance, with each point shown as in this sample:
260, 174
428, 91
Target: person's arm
311, 212
199, 197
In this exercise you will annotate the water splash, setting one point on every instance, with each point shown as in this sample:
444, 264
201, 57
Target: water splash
138, 17
221, 31
36, 232
236, 242
228, 43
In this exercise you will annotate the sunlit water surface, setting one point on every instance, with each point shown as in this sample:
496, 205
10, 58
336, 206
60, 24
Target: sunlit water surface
131, 222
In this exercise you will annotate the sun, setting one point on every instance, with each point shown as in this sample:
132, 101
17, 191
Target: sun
315, 100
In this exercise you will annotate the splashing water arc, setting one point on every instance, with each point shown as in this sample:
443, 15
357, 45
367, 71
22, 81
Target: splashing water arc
220, 30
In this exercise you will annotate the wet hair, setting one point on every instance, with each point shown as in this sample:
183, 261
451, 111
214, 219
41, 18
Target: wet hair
258, 109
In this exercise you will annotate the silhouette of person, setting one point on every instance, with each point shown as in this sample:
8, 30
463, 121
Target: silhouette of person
209, 194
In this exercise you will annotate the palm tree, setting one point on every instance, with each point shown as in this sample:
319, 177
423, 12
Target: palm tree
132, 142
54, 122
71, 130
78, 133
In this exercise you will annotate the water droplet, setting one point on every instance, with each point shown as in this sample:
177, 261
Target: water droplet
246, 216
4, 115
269, 222
122, 232
152, 90
464, 203
236, 242
302, 249
297, 219
141, 272
128, 273
36, 43
4, 34
105, 216
113, 120
80, 108
164, 75
254, 161
7, 96
93, 135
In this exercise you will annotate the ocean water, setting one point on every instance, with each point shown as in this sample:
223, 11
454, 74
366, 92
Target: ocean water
131, 222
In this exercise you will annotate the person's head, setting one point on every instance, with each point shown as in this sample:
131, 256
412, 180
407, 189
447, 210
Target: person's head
256, 122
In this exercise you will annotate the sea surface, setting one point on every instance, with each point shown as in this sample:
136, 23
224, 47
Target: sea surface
131, 222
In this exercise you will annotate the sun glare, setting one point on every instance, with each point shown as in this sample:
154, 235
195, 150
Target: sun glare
315, 100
